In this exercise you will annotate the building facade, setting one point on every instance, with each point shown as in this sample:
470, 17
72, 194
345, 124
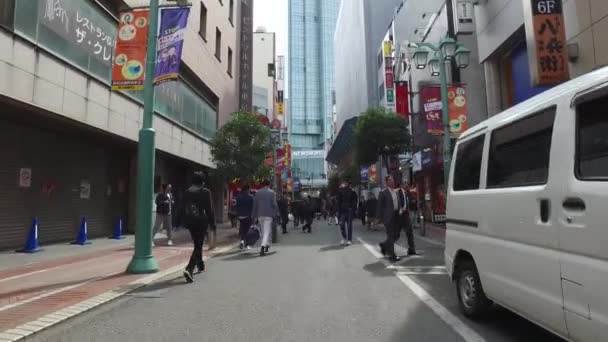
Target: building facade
311, 83
69, 143
503, 47
361, 27
264, 50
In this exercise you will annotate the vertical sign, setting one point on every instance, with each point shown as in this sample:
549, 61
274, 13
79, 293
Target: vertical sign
403, 103
130, 60
372, 173
433, 110
246, 57
546, 41
457, 104
25, 177
389, 79
173, 23
364, 173
431, 102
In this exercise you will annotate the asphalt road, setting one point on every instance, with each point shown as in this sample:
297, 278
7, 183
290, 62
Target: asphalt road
308, 289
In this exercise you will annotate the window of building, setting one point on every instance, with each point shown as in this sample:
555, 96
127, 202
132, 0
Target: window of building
202, 30
7, 11
468, 164
231, 13
519, 152
592, 141
218, 44
380, 59
270, 69
230, 61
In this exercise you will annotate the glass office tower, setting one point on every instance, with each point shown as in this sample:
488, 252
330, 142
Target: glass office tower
312, 24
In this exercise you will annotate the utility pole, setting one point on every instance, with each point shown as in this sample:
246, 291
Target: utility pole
449, 7
143, 261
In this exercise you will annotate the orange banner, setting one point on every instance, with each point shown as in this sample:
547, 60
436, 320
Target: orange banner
128, 69
457, 106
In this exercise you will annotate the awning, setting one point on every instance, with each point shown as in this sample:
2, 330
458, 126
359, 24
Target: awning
343, 143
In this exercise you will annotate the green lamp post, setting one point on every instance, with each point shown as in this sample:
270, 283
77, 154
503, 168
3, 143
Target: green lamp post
448, 48
143, 261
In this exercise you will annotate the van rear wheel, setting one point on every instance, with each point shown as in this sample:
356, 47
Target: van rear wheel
473, 301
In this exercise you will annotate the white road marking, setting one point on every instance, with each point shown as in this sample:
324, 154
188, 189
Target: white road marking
29, 300
468, 334
28, 274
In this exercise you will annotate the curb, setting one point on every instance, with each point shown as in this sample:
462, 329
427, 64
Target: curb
49, 320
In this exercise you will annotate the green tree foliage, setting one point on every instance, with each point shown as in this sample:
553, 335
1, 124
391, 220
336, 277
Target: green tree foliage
240, 147
380, 134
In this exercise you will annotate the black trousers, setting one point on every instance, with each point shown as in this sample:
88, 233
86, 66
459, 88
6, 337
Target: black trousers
198, 238
244, 225
284, 221
391, 229
405, 225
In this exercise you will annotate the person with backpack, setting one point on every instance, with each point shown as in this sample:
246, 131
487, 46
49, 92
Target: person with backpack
197, 215
164, 203
265, 210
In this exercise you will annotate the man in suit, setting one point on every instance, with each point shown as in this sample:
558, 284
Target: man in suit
388, 214
265, 209
404, 222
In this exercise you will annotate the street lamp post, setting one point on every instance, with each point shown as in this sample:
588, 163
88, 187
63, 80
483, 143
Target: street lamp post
143, 261
447, 50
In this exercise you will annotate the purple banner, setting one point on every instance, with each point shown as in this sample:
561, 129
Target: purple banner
173, 23
431, 101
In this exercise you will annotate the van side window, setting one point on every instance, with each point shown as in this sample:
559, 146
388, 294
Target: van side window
592, 140
468, 164
520, 152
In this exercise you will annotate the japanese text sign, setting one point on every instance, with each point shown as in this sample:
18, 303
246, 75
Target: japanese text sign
170, 43
457, 110
78, 24
128, 70
547, 45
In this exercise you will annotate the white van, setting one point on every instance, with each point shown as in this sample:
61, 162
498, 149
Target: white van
527, 211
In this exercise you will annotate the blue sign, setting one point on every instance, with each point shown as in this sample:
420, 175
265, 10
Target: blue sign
364, 173
296, 184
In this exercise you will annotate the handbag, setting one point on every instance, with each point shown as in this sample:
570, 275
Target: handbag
253, 235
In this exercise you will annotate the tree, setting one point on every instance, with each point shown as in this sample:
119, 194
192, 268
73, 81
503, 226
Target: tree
240, 147
380, 134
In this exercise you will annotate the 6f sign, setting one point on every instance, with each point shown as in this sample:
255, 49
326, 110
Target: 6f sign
548, 7
546, 41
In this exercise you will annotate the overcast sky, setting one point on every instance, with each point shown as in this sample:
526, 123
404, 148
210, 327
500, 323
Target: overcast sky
272, 14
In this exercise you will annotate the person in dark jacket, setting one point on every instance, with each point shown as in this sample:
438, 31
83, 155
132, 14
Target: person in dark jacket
198, 215
347, 207
284, 213
388, 214
308, 214
244, 206
164, 203
371, 205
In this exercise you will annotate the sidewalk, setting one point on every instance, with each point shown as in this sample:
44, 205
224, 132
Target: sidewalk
434, 232
40, 290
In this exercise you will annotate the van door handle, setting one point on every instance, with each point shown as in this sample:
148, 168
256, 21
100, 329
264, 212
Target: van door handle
574, 204
544, 210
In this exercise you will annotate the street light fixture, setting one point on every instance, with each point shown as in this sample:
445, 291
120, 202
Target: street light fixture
420, 58
462, 57
434, 65
448, 48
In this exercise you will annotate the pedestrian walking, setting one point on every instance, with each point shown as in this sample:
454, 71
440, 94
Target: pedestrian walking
265, 208
164, 203
362, 211
308, 213
244, 207
197, 215
372, 204
404, 222
388, 214
347, 207
283, 213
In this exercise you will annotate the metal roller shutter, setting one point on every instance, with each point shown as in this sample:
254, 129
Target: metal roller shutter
59, 164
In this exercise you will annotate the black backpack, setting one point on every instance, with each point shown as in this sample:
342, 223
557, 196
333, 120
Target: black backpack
193, 213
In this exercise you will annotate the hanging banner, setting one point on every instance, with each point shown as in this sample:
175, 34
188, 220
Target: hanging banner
457, 104
372, 173
403, 99
364, 174
130, 53
457, 110
546, 41
431, 101
173, 23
